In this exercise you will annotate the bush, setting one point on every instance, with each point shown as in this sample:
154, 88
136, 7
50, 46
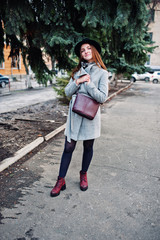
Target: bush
59, 87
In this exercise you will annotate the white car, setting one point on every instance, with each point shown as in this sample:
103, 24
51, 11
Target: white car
155, 77
143, 76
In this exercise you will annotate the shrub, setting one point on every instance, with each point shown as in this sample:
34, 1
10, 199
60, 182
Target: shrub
59, 87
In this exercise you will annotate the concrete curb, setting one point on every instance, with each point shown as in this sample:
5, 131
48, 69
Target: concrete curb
119, 91
55, 132
20, 153
4, 94
28, 148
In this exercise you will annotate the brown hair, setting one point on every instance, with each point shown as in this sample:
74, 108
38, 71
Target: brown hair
96, 58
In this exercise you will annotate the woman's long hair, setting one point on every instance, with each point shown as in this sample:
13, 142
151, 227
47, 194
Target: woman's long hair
96, 58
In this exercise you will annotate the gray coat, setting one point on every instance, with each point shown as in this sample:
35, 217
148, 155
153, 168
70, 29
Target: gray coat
77, 127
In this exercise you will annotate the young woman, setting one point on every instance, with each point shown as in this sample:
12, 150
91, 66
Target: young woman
90, 78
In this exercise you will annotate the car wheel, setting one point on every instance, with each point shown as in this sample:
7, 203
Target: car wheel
155, 80
133, 79
3, 84
146, 79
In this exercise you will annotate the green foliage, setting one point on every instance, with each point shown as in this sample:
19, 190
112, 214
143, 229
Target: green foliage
37, 64
54, 27
59, 88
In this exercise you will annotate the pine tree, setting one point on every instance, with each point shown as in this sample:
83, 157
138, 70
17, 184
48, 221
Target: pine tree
121, 27
54, 26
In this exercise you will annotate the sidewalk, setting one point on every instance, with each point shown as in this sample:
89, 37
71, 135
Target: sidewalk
22, 98
21, 83
122, 201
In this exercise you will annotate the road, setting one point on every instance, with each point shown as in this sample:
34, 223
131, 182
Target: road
22, 98
123, 199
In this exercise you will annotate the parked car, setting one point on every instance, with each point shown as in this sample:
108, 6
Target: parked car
4, 80
144, 76
155, 77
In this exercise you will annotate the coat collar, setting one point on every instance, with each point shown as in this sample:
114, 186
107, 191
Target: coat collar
85, 68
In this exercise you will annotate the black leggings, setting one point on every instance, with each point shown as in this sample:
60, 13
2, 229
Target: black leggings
67, 155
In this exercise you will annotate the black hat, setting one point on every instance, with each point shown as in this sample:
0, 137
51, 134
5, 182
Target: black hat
89, 41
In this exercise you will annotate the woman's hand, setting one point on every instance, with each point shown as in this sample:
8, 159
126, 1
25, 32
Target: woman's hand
85, 78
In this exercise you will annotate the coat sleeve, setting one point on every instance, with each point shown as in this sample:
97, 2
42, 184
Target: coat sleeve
100, 94
71, 88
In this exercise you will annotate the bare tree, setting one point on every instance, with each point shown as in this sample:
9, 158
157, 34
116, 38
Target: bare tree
152, 7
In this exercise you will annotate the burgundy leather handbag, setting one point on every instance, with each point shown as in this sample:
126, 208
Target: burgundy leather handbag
85, 106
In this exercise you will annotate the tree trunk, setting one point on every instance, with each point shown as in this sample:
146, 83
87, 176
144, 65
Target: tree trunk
28, 81
113, 80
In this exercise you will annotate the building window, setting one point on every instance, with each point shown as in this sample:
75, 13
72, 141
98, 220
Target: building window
149, 58
1, 65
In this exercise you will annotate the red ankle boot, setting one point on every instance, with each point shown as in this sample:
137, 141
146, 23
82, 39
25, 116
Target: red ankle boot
60, 185
83, 181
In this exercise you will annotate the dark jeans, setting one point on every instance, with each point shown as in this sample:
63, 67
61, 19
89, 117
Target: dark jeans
67, 155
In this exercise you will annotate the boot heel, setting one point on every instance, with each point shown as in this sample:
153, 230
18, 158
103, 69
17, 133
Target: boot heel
63, 187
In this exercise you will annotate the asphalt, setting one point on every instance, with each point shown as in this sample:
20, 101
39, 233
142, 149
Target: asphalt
122, 201
11, 101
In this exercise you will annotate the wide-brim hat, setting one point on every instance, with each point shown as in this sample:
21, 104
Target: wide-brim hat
89, 41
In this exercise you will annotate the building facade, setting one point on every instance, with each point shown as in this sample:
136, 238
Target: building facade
12, 67
154, 29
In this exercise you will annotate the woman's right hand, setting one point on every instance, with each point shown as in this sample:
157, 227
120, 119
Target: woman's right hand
85, 78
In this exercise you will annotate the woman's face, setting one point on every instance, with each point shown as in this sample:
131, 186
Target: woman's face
86, 52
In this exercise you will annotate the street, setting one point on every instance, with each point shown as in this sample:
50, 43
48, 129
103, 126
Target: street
22, 98
123, 198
